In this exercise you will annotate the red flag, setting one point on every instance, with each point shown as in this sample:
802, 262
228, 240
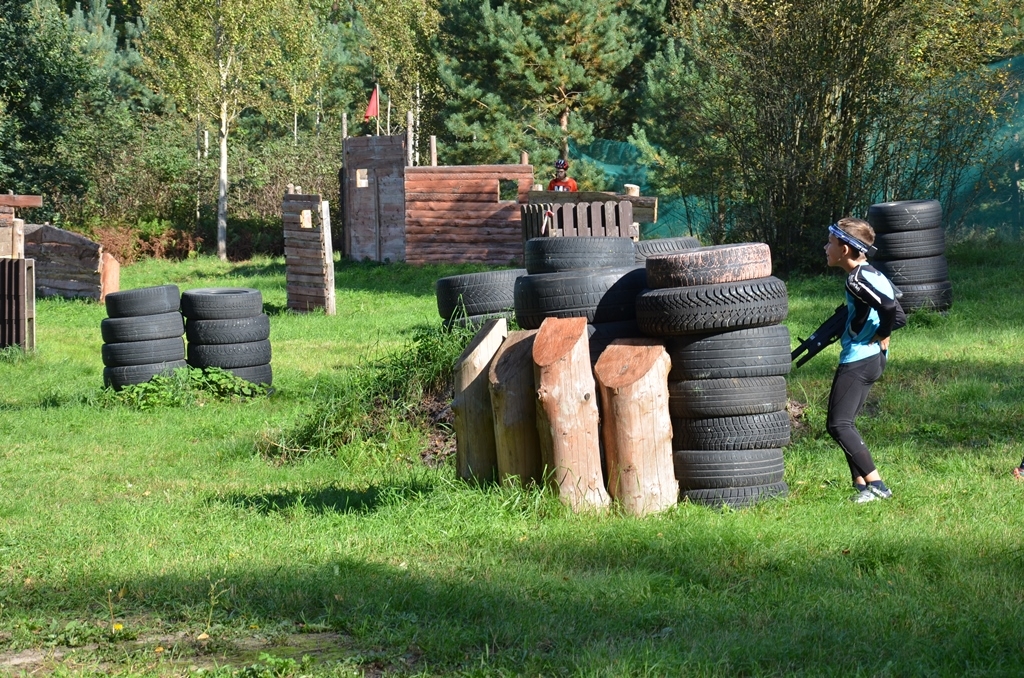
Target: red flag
372, 108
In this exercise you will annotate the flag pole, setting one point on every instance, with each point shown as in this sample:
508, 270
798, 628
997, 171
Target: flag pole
377, 85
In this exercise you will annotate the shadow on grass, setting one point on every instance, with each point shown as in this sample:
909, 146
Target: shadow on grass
332, 499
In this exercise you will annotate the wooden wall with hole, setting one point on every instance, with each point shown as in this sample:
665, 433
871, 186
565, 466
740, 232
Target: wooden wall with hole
428, 214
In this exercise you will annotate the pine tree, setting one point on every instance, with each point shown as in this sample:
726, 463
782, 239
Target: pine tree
530, 76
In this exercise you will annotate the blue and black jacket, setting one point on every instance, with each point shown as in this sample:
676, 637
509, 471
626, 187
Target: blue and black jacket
872, 311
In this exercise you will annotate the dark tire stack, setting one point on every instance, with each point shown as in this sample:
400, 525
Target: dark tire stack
142, 335
593, 278
226, 328
719, 310
473, 298
911, 247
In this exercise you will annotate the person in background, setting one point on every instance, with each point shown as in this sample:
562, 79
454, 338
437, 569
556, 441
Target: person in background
561, 182
1018, 471
873, 313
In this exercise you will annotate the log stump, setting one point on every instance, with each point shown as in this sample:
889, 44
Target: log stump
567, 416
514, 403
475, 455
632, 375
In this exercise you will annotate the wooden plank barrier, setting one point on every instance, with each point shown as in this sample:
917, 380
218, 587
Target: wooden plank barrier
609, 218
645, 208
636, 428
308, 251
17, 303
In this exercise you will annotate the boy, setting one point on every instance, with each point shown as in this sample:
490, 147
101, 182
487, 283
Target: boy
873, 313
561, 182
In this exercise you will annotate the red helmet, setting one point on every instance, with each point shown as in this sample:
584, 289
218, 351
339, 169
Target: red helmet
561, 164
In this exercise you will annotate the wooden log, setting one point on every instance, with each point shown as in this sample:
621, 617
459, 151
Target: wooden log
330, 307
461, 210
110, 275
632, 375
302, 252
514, 405
475, 455
471, 169
8, 200
567, 417
482, 236
314, 279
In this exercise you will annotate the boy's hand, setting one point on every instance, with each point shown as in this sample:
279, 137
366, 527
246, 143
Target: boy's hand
884, 343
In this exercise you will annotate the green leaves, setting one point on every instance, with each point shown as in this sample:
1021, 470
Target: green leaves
186, 387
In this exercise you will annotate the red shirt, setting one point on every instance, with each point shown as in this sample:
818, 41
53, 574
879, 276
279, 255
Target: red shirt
566, 184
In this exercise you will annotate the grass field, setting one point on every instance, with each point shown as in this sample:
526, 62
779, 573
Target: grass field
168, 541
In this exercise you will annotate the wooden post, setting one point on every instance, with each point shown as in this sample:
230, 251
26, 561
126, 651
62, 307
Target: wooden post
632, 189
567, 418
344, 125
524, 158
409, 150
433, 151
110, 275
330, 307
514, 404
632, 375
475, 455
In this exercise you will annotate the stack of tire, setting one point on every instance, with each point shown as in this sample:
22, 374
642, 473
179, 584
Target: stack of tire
581, 277
719, 310
226, 328
142, 335
473, 298
911, 247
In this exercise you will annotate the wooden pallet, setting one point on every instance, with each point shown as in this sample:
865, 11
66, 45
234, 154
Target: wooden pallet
18, 303
583, 219
308, 253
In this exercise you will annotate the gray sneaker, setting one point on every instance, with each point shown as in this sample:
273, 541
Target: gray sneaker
870, 494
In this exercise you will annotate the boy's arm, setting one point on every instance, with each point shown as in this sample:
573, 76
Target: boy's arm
886, 305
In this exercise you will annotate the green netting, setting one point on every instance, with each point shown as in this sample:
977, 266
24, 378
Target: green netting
998, 208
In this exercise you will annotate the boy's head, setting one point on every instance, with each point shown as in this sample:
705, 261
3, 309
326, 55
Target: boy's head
850, 240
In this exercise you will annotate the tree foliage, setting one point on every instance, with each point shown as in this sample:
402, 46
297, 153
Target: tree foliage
779, 116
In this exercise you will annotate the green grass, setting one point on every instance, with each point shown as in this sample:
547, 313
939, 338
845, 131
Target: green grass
180, 522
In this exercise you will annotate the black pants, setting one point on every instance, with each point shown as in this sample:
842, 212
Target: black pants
850, 389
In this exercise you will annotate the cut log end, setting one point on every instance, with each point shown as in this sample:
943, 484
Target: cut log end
556, 338
627, 360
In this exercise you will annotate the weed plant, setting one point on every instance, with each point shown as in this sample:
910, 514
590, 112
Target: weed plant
369, 561
184, 387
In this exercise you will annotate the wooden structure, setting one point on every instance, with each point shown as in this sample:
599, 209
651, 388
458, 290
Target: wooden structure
17, 303
632, 375
579, 219
567, 416
514, 404
308, 254
452, 214
475, 455
12, 230
645, 208
69, 264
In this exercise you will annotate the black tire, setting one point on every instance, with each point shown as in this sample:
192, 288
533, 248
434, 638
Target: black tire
249, 354
704, 469
552, 255
603, 334
651, 248
706, 308
753, 352
904, 215
143, 301
257, 374
699, 398
143, 352
601, 295
141, 327
119, 377
221, 303
230, 331
909, 272
744, 432
710, 265
476, 293
910, 244
937, 296
735, 497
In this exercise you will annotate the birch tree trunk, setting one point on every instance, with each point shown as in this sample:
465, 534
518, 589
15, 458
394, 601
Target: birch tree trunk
567, 417
222, 185
632, 375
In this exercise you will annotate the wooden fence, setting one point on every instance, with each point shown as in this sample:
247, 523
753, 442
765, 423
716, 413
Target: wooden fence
17, 303
579, 220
